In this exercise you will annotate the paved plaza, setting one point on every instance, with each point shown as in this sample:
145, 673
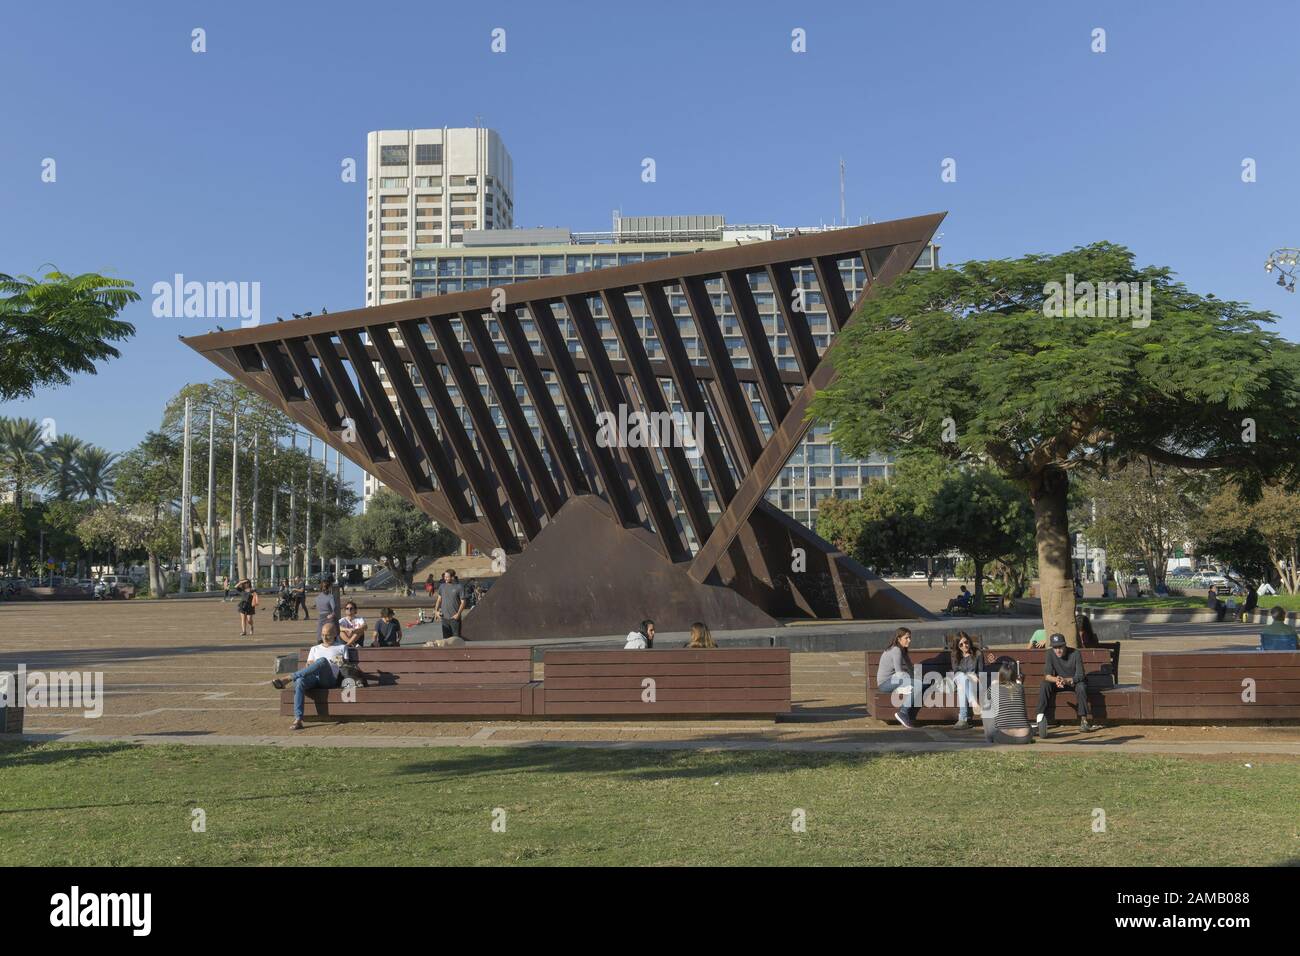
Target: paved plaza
178, 672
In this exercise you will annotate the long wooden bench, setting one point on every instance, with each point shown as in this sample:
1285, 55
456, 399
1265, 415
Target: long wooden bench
1209, 685
456, 682
739, 682
1106, 700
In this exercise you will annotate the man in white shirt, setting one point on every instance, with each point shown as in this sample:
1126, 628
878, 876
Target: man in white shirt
322, 671
352, 627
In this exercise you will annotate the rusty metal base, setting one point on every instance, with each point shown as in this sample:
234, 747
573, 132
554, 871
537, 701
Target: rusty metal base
584, 576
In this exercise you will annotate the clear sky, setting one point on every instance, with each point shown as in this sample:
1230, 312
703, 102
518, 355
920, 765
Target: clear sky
225, 165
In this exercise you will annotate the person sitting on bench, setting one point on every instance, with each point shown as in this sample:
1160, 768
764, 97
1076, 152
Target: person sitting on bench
1005, 722
960, 603
967, 666
701, 639
642, 639
1038, 639
895, 673
352, 626
388, 632
1062, 670
1278, 631
322, 670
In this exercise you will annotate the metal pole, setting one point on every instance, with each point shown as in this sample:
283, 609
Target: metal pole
275, 501
293, 509
234, 491
306, 553
324, 493
211, 556
338, 485
257, 562
186, 504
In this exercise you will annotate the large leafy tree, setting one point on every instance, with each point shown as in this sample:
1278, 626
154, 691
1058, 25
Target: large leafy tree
1238, 528
148, 481
985, 517
973, 363
398, 534
57, 325
1144, 511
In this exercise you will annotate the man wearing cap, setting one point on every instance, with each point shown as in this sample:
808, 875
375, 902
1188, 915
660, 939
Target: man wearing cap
1062, 670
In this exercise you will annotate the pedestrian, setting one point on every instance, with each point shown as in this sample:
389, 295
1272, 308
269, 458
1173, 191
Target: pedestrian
450, 604
327, 604
247, 606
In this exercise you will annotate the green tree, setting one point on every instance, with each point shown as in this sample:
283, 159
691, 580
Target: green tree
148, 481
57, 325
22, 455
1144, 510
398, 534
985, 517
1271, 521
94, 470
978, 364
60, 458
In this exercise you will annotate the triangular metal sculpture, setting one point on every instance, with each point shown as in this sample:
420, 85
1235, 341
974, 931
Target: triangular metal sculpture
555, 475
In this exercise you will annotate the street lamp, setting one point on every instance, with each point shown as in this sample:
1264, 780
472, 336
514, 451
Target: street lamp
1284, 262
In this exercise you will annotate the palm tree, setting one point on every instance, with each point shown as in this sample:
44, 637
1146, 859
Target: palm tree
94, 471
61, 465
21, 455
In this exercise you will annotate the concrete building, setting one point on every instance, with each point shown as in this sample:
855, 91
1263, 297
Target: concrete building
427, 188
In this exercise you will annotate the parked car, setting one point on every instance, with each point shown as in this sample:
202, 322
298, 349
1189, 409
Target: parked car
917, 576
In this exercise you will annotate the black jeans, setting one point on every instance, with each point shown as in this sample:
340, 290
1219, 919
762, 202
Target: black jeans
450, 627
1047, 697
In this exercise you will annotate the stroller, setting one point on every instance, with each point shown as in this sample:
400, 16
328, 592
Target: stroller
285, 607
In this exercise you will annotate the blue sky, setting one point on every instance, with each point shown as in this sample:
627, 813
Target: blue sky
225, 165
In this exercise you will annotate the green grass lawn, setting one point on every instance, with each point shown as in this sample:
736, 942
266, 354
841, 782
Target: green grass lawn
117, 805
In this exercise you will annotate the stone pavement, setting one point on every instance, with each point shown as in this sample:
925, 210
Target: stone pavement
178, 672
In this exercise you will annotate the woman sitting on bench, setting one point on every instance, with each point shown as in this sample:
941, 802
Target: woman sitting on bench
895, 673
967, 665
1009, 724
322, 671
701, 639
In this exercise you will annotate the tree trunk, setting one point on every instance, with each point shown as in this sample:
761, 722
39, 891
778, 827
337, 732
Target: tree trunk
1048, 492
979, 583
157, 585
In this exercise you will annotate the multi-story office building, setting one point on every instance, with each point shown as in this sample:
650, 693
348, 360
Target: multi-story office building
427, 188
817, 470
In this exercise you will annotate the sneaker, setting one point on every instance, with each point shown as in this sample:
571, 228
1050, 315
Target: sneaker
903, 719
296, 725
279, 683
1042, 729
1086, 726
961, 724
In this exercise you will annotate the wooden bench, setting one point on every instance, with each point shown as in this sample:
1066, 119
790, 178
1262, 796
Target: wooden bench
456, 682
739, 682
1106, 700
1208, 685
